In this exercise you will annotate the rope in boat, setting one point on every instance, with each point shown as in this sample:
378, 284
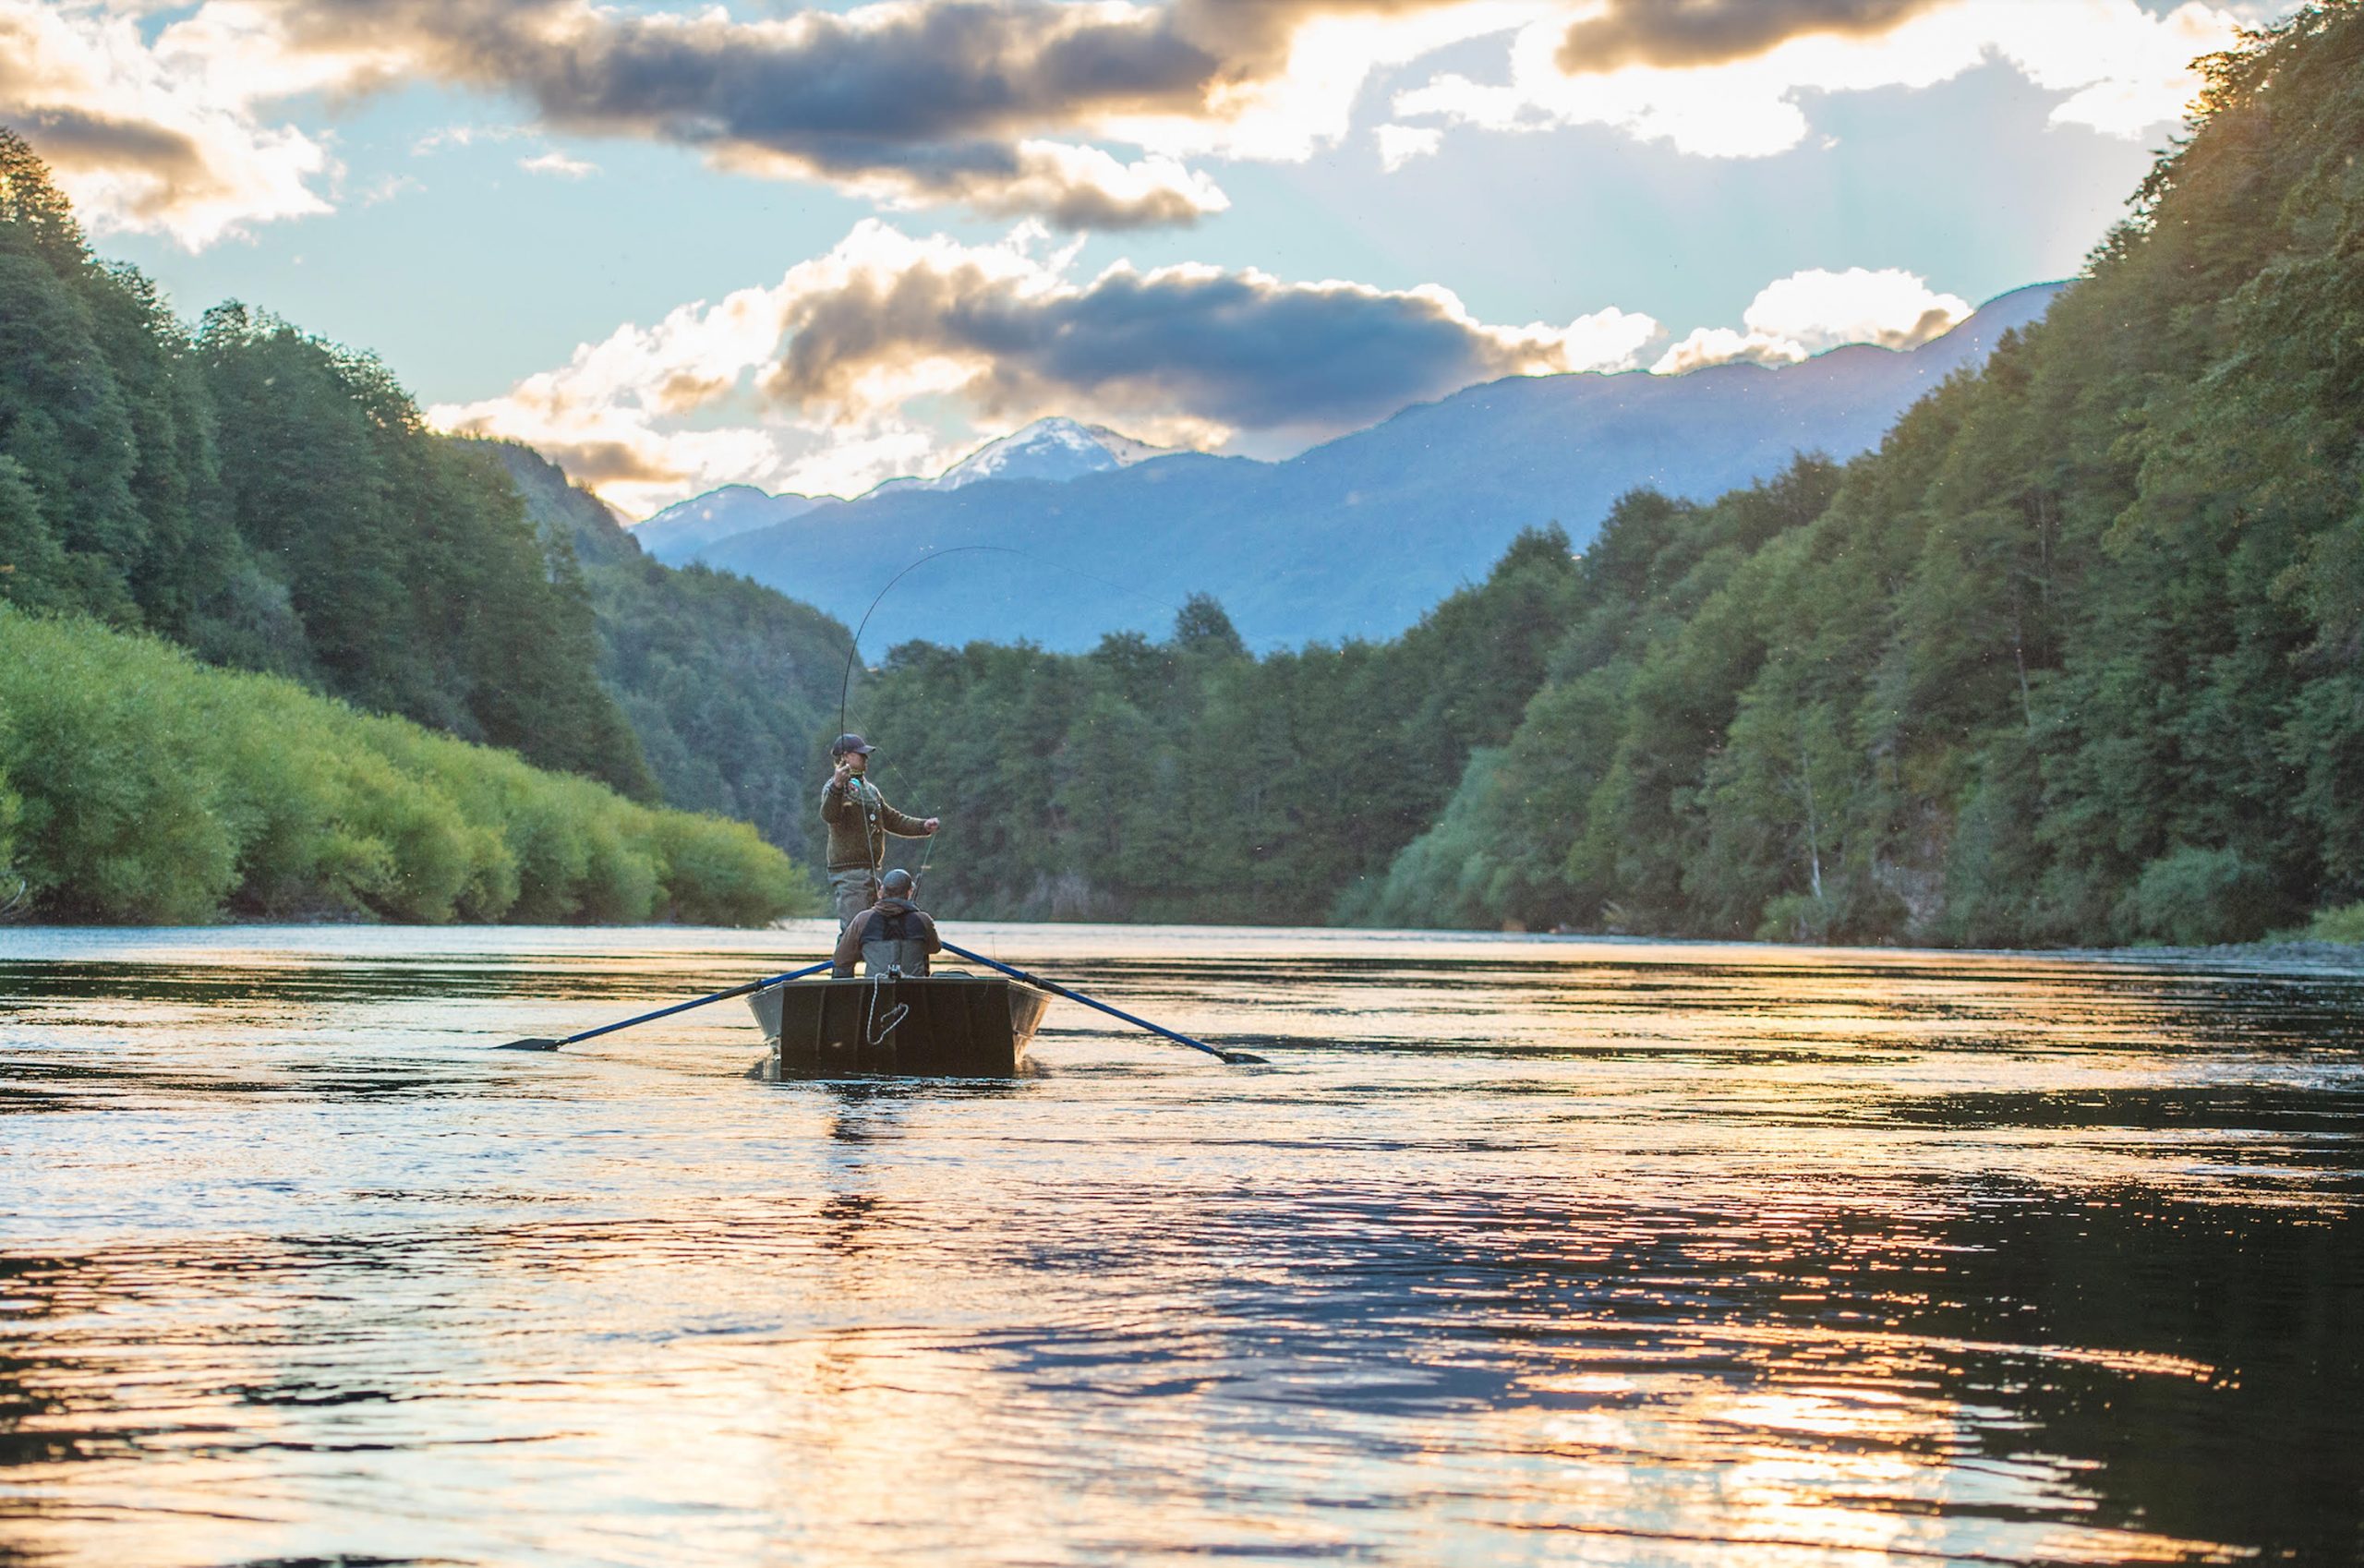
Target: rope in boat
871, 1030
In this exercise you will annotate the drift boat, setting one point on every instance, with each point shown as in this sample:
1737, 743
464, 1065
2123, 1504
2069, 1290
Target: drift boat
941, 1026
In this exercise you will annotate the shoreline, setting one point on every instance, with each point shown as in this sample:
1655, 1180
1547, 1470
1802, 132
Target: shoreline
2272, 952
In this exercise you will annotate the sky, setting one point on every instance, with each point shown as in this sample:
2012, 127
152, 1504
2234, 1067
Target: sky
810, 248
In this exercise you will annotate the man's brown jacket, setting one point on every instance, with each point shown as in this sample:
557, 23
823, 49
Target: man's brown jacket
859, 819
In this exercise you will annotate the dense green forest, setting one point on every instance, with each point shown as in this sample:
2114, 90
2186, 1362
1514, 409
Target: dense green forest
2073, 658
731, 687
1186, 780
139, 785
274, 503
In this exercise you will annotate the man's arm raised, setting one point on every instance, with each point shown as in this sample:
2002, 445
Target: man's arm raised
904, 826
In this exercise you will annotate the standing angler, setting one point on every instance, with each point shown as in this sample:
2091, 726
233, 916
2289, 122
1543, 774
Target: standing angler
859, 819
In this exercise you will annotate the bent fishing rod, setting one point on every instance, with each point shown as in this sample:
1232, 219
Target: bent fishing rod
853, 643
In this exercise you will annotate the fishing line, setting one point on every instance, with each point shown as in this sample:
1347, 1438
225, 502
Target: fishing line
853, 643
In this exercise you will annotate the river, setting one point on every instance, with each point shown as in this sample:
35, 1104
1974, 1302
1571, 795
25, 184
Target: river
1519, 1251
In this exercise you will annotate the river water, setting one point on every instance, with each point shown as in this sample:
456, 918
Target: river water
1520, 1250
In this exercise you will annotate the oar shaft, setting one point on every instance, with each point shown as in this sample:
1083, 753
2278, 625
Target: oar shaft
1057, 990
685, 1006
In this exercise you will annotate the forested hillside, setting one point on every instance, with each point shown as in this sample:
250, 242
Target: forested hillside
274, 503
731, 687
137, 785
1185, 779
2074, 658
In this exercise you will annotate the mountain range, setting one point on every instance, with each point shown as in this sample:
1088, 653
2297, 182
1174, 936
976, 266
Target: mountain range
1048, 449
1067, 532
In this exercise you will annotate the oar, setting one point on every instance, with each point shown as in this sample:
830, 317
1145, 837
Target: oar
1236, 1058
660, 1013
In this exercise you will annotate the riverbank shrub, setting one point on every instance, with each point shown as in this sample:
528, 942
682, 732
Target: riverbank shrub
2344, 925
2196, 898
11, 809
144, 787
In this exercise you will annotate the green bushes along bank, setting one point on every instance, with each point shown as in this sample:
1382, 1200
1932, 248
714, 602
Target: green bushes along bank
140, 786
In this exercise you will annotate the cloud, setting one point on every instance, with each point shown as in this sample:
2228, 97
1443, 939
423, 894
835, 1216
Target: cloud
967, 101
894, 353
1183, 351
1803, 315
158, 139
1821, 309
556, 162
1090, 114
996, 105
1707, 32
821, 372
1724, 78
1398, 145
391, 187
1007, 107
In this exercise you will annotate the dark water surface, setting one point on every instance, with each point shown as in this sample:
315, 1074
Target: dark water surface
1520, 1251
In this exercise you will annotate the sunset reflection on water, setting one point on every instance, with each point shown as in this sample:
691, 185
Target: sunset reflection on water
1521, 1250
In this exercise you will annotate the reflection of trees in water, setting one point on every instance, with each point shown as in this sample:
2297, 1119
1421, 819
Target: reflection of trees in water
2269, 1450
2036, 1326
2205, 1360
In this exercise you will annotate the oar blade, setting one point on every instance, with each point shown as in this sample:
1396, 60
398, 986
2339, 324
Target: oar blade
528, 1045
1242, 1059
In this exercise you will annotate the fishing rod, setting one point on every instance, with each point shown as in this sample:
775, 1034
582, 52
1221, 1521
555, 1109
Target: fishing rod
539, 1045
853, 643
1233, 1059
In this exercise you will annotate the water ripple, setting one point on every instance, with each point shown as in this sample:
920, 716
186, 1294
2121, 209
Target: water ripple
1518, 1251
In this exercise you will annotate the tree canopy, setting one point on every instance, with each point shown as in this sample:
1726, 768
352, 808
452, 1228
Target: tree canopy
274, 503
2072, 658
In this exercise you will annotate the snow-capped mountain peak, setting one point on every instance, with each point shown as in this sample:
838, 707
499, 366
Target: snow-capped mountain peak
1053, 449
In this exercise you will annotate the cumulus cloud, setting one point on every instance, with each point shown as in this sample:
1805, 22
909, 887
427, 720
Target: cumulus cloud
159, 137
606, 415
821, 371
886, 318
1800, 316
1003, 106
1007, 107
818, 383
986, 103
1724, 77
1706, 32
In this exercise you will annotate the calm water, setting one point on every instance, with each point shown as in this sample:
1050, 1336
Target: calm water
1520, 1251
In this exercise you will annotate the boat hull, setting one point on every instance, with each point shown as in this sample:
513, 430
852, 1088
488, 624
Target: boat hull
947, 1026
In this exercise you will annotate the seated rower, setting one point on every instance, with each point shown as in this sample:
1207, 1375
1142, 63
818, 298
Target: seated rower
893, 934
